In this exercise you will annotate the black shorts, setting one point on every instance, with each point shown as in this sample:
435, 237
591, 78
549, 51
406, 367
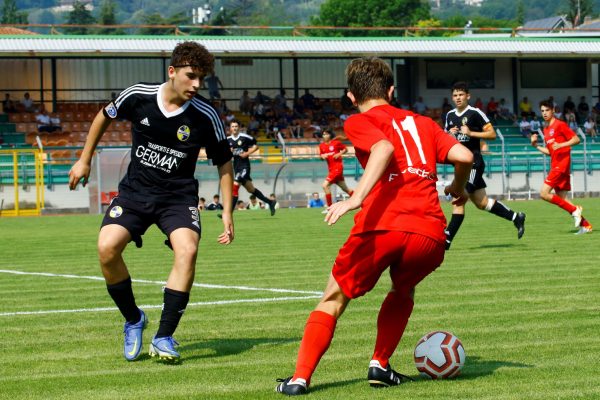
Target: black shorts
476, 181
137, 217
242, 175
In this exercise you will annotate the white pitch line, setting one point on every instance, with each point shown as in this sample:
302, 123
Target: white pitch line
201, 303
202, 285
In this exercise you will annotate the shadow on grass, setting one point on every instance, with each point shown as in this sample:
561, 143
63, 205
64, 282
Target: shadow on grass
224, 347
331, 385
493, 246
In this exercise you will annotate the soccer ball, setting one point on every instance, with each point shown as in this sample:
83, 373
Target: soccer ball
439, 355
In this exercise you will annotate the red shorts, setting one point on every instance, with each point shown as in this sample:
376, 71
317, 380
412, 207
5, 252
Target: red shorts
335, 176
364, 257
558, 180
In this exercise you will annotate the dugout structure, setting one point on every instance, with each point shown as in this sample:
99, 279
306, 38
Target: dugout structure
21, 182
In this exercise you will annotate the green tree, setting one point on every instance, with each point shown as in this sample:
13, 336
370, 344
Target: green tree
578, 10
107, 17
520, 17
371, 13
79, 16
154, 19
10, 13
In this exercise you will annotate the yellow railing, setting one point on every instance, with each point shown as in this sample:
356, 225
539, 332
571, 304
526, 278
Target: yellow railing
13, 186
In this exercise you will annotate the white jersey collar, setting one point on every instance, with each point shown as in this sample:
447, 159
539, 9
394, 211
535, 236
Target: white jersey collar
162, 108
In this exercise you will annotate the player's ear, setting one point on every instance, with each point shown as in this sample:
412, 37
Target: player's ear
390, 93
171, 72
351, 97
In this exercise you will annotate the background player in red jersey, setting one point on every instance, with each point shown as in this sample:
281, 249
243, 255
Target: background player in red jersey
332, 150
559, 139
400, 225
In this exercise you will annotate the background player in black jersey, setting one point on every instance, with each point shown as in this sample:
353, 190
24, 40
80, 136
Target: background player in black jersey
170, 123
470, 125
242, 146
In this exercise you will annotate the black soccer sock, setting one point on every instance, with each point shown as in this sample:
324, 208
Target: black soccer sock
501, 210
234, 203
261, 196
173, 308
455, 223
122, 295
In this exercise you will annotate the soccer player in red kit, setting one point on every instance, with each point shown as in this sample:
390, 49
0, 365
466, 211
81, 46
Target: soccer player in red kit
400, 225
559, 139
332, 150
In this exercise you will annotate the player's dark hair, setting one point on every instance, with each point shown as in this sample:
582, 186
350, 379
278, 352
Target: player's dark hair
194, 55
234, 121
461, 86
547, 103
369, 78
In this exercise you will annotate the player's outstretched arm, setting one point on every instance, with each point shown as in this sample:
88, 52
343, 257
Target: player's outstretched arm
81, 169
381, 152
462, 158
226, 183
534, 143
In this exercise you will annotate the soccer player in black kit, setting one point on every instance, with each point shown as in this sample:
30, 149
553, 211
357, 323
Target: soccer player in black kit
469, 125
242, 145
170, 123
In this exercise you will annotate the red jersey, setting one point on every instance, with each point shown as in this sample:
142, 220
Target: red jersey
405, 198
330, 149
559, 132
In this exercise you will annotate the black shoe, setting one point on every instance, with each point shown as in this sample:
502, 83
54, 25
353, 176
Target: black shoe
272, 207
520, 224
220, 216
448, 240
290, 387
448, 244
384, 377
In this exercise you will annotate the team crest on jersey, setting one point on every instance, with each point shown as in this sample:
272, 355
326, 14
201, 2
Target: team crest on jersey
111, 110
116, 212
330, 148
239, 142
465, 120
551, 132
183, 133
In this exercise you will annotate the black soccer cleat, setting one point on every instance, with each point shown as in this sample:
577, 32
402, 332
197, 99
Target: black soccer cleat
380, 377
272, 207
520, 224
291, 387
448, 239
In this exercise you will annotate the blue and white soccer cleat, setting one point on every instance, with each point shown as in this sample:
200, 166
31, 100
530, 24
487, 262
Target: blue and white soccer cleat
164, 349
133, 337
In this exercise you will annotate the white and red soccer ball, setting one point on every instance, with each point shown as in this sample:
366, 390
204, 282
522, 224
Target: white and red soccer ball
439, 355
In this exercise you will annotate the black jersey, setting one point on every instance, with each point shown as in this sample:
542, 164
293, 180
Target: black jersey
165, 145
241, 143
475, 120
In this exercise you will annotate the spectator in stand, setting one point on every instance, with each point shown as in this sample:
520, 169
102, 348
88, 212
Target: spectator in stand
280, 102
525, 127
245, 103
240, 205
45, 122
571, 120
590, 128
253, 126
215, 204
259, 111
213, 83
583, 111
201, 204
479, 104
315, 201
8, 106
446, 106
296, 130
299, 109
596, 110
260, 98
419, 106
551, 100
308, 100
492, 109
535, 124
557, 113
327, 108
504, 111
568, 105
254, 204
346, 102
27, 103
525, 108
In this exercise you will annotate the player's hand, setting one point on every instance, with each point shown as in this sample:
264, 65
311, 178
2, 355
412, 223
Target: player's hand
534, 139
336, 156
465, 130
80, 170
459, 194
227, 236
336, 210
556, 146
244, 154
454, 130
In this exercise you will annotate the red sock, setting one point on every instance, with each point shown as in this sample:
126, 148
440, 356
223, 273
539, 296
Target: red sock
391, 322
315, 342
565, 205
585, 223
328, 198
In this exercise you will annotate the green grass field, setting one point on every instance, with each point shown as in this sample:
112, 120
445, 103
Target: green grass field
527, 312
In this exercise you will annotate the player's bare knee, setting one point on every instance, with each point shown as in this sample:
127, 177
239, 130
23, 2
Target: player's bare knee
108, 252
186, 251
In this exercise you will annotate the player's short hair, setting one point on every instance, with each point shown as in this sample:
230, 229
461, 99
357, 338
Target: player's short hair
461, 86
547, 103
193, 54
369, 78
234, 121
